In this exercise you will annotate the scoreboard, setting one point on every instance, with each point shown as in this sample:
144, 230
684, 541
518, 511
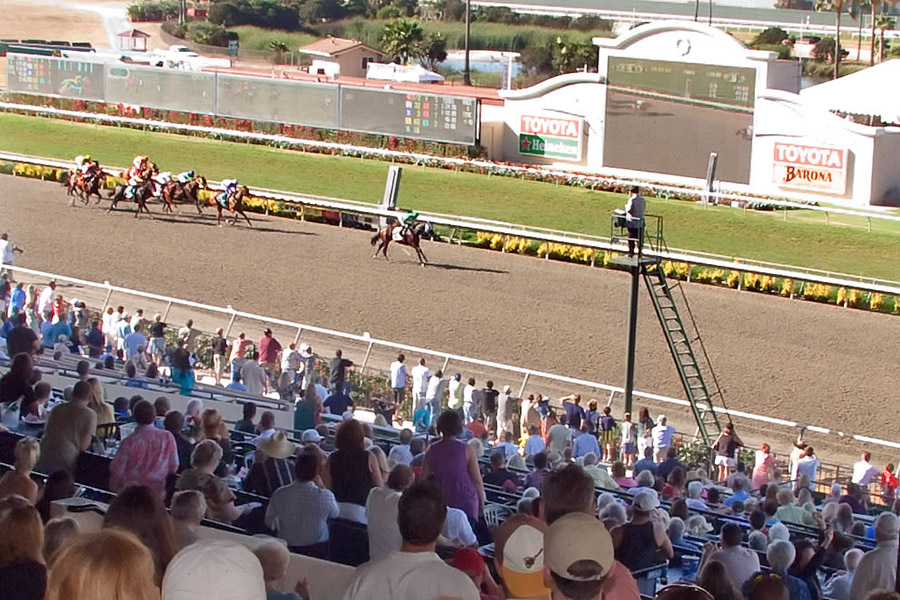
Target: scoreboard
719, 84
434, 117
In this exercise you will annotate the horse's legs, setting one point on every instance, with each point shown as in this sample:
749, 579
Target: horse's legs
243, 214
422, 260
218, 214
378, 249
197, 201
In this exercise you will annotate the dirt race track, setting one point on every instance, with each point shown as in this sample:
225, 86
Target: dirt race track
796, 360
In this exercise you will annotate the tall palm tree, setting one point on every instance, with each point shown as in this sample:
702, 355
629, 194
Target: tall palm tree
884, 22
401, 38
837, 6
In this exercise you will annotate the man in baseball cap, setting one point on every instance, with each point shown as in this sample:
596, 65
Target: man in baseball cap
579, 561
519, 556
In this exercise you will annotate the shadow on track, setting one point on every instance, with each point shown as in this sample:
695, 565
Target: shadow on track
448, 267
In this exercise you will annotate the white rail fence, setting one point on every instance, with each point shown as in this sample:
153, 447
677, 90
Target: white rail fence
371, 344
452, 162
544, 235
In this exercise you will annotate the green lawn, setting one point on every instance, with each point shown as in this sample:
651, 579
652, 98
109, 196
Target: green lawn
803, 240
257, 38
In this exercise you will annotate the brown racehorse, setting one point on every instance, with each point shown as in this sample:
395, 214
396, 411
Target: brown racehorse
143, 193
411, 238
189, 191
235, 204
77, 185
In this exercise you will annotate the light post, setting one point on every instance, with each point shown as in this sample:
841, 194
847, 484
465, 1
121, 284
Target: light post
467, 78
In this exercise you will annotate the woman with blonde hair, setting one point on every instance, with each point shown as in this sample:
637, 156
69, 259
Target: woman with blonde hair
382, 461
213, 428
31, 317
23, 575
105, 414
18, 481
201, 477
112, 564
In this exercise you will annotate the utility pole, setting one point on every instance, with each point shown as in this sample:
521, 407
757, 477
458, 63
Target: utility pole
183, 11
467, 77
635, 271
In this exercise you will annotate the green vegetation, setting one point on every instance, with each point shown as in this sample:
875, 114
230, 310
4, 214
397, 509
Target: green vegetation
802, 240
258, 38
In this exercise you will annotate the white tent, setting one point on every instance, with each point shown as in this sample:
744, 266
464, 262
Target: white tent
873, 92
408, 73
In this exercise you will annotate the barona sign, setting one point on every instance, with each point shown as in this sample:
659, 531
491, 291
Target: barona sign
810, 168
543, 126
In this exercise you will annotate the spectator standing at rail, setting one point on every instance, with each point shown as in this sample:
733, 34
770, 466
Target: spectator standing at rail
290, 362
808, 465
16, 300
157, 346
268, 348
219, 347
238, 353
134, 342
339, 366
470, 403
628, 442
123, 330
645, 427
863, 471
308, 363
634, 219
489, 406
574, 412
8, 252
455, 390
420, 375
608, 430
398, 380
662, 438
46, 299
726, 446
187, 337
505, 415
253, 376
434, 395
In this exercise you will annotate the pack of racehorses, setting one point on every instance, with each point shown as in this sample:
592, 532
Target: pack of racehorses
169, 191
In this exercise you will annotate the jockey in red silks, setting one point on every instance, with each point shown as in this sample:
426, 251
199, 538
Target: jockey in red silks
136, 174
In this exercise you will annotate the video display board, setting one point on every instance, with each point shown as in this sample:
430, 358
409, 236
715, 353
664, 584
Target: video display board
406, 114
666, 117
54, 76
161, 88
299, 103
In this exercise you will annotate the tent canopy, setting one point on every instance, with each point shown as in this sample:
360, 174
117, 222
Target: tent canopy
873, 92
407, 73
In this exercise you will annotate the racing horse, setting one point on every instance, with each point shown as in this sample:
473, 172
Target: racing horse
190, 191
410, 237
77, 186
235, 204
140, 196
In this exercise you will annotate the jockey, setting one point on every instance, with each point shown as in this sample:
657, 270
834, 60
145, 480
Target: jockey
184, 177
135, 175
230, 186
409, 222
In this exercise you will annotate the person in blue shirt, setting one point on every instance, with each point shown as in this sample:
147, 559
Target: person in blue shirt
17, 298
646, 463
585, 443
236, 384
53, 332
574, 412
422, 420
338, 403
738, 494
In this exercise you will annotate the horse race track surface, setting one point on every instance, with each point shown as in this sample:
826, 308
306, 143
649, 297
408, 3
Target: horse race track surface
812, 363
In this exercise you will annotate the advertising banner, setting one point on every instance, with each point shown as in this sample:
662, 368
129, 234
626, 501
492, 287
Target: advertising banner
551, 137
810, 168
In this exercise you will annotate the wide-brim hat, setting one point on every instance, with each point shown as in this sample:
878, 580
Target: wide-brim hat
277, 446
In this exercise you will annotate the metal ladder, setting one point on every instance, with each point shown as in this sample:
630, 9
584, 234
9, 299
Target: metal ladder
680, 342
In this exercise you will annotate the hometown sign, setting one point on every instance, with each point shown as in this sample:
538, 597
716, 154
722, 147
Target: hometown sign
550, 137
810, 168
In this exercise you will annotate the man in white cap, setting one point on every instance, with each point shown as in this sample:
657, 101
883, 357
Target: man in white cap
415, 571
519, 557
579, 561
214, 569
878, 568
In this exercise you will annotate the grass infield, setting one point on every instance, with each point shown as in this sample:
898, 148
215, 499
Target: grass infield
803, 240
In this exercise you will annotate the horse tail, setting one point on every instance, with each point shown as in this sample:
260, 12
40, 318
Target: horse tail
375, 238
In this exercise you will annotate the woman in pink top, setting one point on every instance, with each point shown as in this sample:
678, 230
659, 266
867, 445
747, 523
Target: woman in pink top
764, 470
618, 475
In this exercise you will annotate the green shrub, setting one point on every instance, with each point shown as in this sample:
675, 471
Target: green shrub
783, 51
262, 13
388, 12
768, 37
154, 11
209, 34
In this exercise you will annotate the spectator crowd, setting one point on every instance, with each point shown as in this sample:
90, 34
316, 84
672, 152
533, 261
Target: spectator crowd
481, 495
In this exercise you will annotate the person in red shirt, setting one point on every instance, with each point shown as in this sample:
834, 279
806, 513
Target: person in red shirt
477, 428
889, 483
268, 348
